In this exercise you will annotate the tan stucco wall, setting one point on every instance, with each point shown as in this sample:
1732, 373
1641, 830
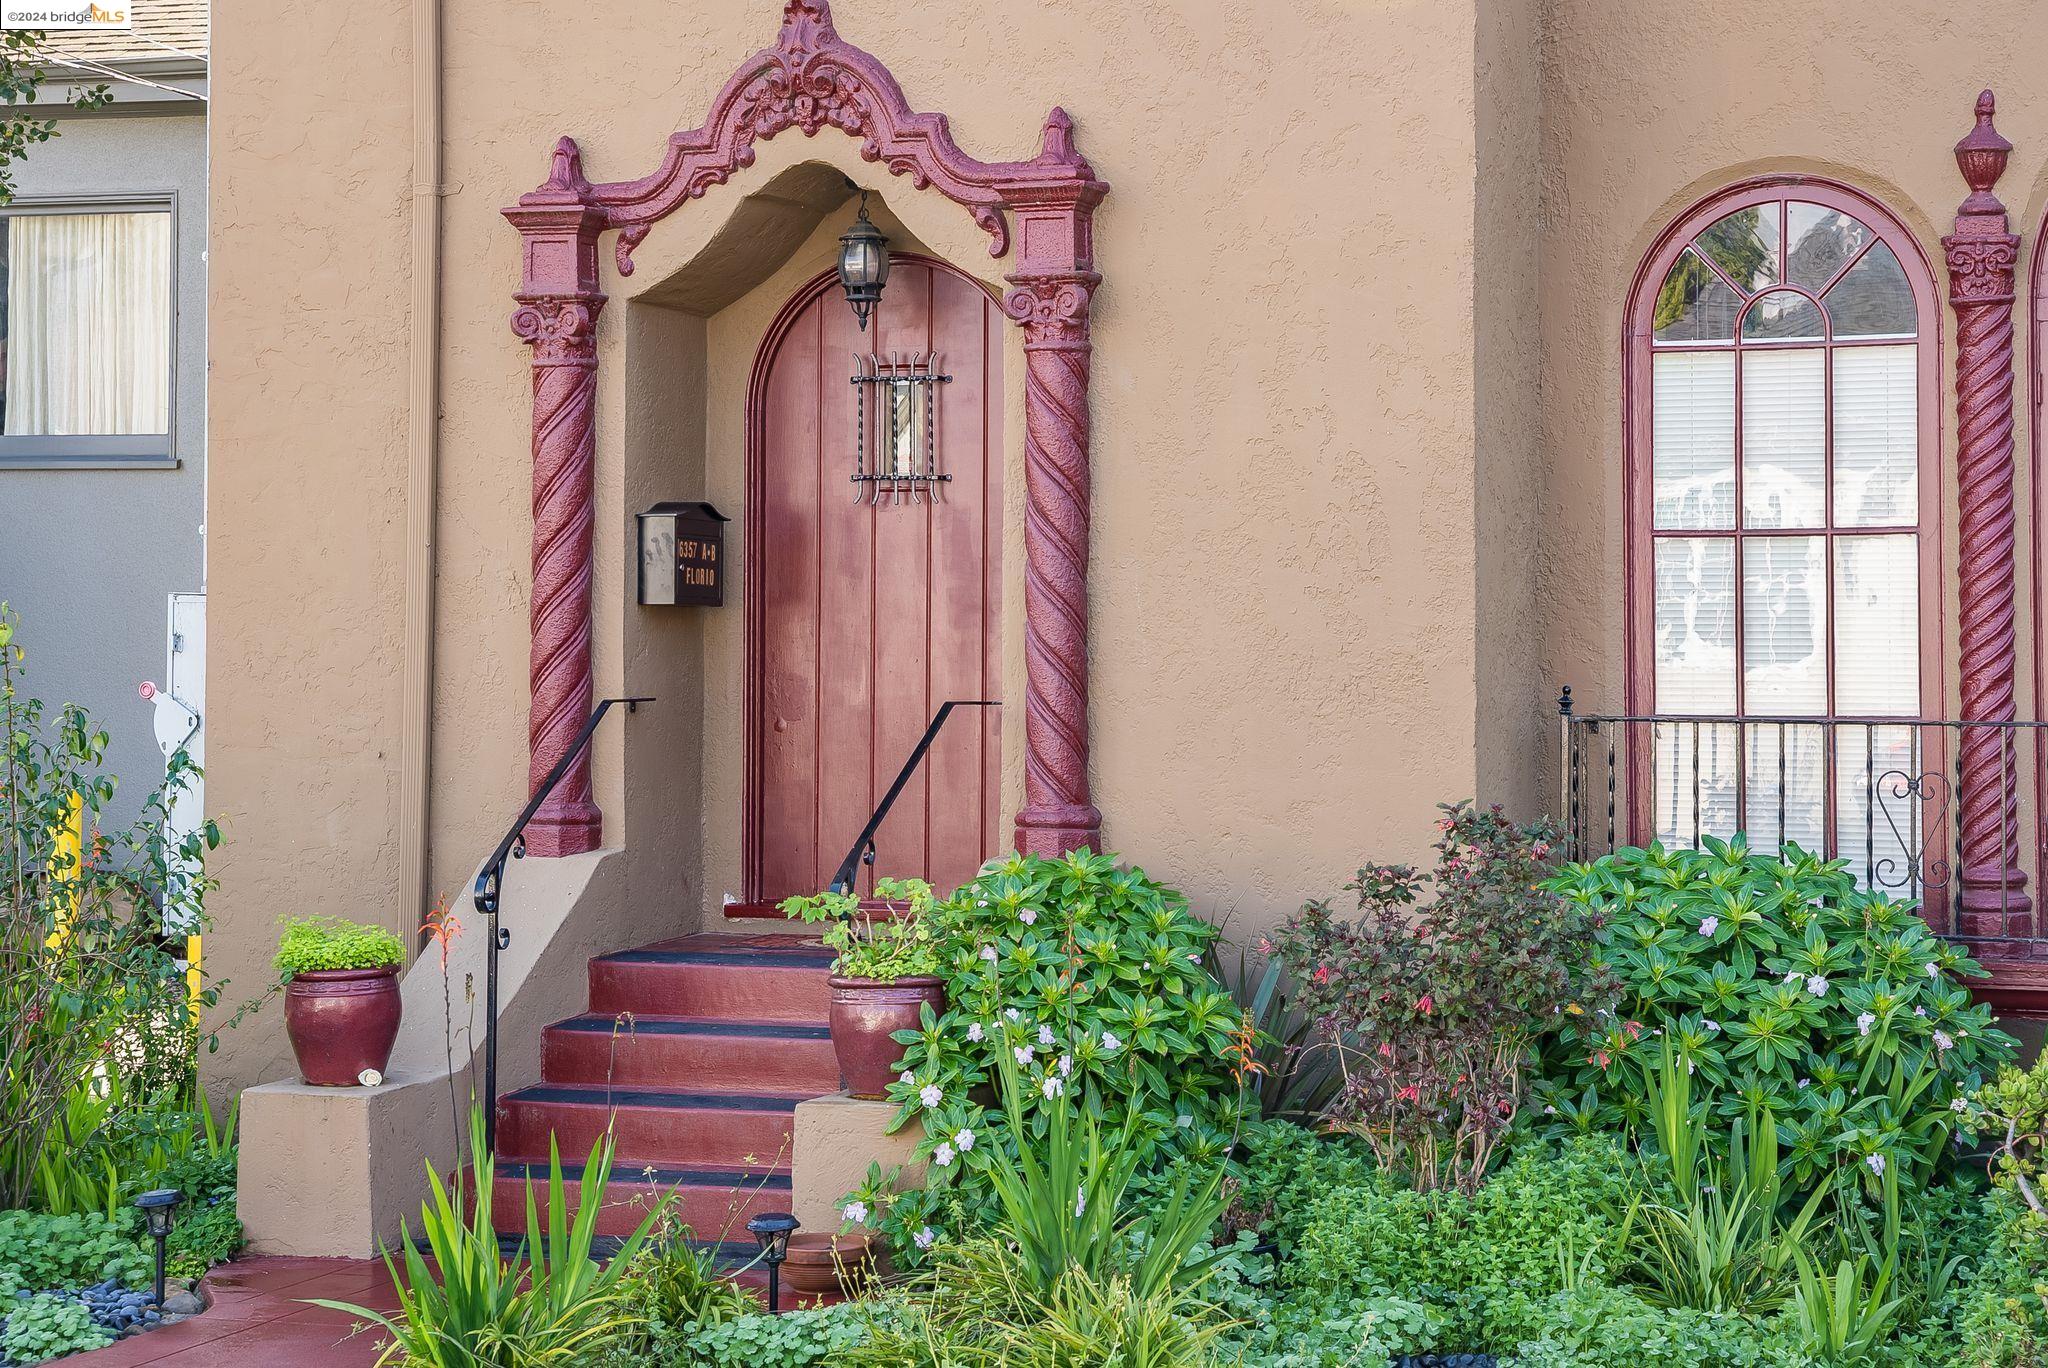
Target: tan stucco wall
1356, 397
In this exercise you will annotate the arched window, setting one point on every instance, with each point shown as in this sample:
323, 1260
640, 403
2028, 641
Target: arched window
1783, 504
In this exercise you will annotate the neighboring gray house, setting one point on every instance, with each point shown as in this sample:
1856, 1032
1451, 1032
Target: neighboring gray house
103, 383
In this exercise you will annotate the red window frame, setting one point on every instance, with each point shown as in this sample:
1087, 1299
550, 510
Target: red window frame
1638, 334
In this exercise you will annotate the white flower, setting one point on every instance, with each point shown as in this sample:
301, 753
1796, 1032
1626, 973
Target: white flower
1804, 1081
1709, 925
974, 1032
963, 1139
1864, 1021
1876, 1162
1958, 1106
930, 1095
988, 952
1713, 1028
1550, 1111
1933, 969
1920, 1011
906, 1078
1791, 976
1028, 915
1066, 1065
1816, 985
1110, 1044
1023, 1054
1943, 1041
1045, 1036
1052, 1087
981, 902
943, 1155
1011, 1013
856, 1212
1691, 1067
1080, 1200
926, 1238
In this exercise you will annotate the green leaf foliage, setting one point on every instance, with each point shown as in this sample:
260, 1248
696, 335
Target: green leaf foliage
48, 1327
39, 1252
321, 942
1085, 977
897, 944
1791, 990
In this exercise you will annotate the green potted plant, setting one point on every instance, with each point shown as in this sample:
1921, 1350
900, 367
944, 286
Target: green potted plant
341, 1002
887, 968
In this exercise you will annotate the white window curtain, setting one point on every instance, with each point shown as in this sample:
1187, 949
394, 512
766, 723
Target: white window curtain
88, 324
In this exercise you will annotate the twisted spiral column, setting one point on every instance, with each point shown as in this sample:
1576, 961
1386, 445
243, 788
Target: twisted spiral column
1057, 815
1982, 255
562, 333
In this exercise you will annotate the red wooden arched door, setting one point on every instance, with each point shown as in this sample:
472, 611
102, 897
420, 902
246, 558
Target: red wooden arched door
863, 618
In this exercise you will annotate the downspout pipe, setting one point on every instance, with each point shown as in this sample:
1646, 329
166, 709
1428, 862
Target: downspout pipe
423, 455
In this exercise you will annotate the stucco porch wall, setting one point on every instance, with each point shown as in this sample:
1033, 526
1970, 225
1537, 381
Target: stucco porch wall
1286, 636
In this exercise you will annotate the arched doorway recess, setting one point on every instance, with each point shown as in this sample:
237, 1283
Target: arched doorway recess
863, 615
811, 79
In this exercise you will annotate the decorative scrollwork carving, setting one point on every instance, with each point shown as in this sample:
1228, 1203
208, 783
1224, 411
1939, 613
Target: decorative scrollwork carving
1054, 308
561, 331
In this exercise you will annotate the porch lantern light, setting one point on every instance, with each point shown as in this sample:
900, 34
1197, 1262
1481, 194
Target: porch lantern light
159, 1213
863, 264
772, 1230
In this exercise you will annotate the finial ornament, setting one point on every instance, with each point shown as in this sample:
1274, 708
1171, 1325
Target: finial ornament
1981, 157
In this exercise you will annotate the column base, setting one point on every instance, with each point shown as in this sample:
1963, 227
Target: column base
564, 829
1053, 829
1994, 903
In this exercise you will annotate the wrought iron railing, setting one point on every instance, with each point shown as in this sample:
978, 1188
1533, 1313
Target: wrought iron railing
1937, 810
863, 850
490, 882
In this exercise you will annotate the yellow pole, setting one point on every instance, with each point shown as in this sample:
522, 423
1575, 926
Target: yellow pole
66, 861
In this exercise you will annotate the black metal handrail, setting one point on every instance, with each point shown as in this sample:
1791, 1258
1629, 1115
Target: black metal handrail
489, 882
863, 851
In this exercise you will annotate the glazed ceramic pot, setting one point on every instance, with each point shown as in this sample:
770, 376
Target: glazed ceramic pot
342, 1023
864, 1014
819, 1265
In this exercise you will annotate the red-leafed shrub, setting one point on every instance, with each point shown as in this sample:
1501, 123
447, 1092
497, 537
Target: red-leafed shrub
1431, 996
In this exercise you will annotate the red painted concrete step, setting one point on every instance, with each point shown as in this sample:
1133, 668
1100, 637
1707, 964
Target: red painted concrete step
648, 1125
751, 978
714, 1201
691, 1052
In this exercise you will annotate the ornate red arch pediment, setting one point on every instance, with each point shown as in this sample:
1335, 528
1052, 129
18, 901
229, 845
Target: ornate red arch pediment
811, 79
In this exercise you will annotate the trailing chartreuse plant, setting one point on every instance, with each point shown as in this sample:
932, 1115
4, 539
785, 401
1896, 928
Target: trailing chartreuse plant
1793, 992
1431, 1010
318, 942
898, 944
549, 1302
48, 1327
1087, 978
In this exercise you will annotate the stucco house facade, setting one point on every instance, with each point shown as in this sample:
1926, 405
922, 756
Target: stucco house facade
1323, 387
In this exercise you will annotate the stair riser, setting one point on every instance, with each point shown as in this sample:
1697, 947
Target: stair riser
660, 1135
729, 1063
706, 1210
728, 991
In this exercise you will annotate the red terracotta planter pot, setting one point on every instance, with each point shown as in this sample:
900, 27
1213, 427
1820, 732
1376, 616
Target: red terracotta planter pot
341, 1022
823, 1264
864, 1014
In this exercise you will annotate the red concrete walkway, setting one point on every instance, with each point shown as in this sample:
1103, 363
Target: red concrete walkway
259, 1319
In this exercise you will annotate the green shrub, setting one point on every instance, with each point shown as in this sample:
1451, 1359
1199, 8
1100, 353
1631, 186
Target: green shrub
1791, 990
48, 1327
1999, 1305
39, 1252
1485, 1263
204, 1235
794, 1339
322, 942
1089, 978
1605, 1327
676, 1290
